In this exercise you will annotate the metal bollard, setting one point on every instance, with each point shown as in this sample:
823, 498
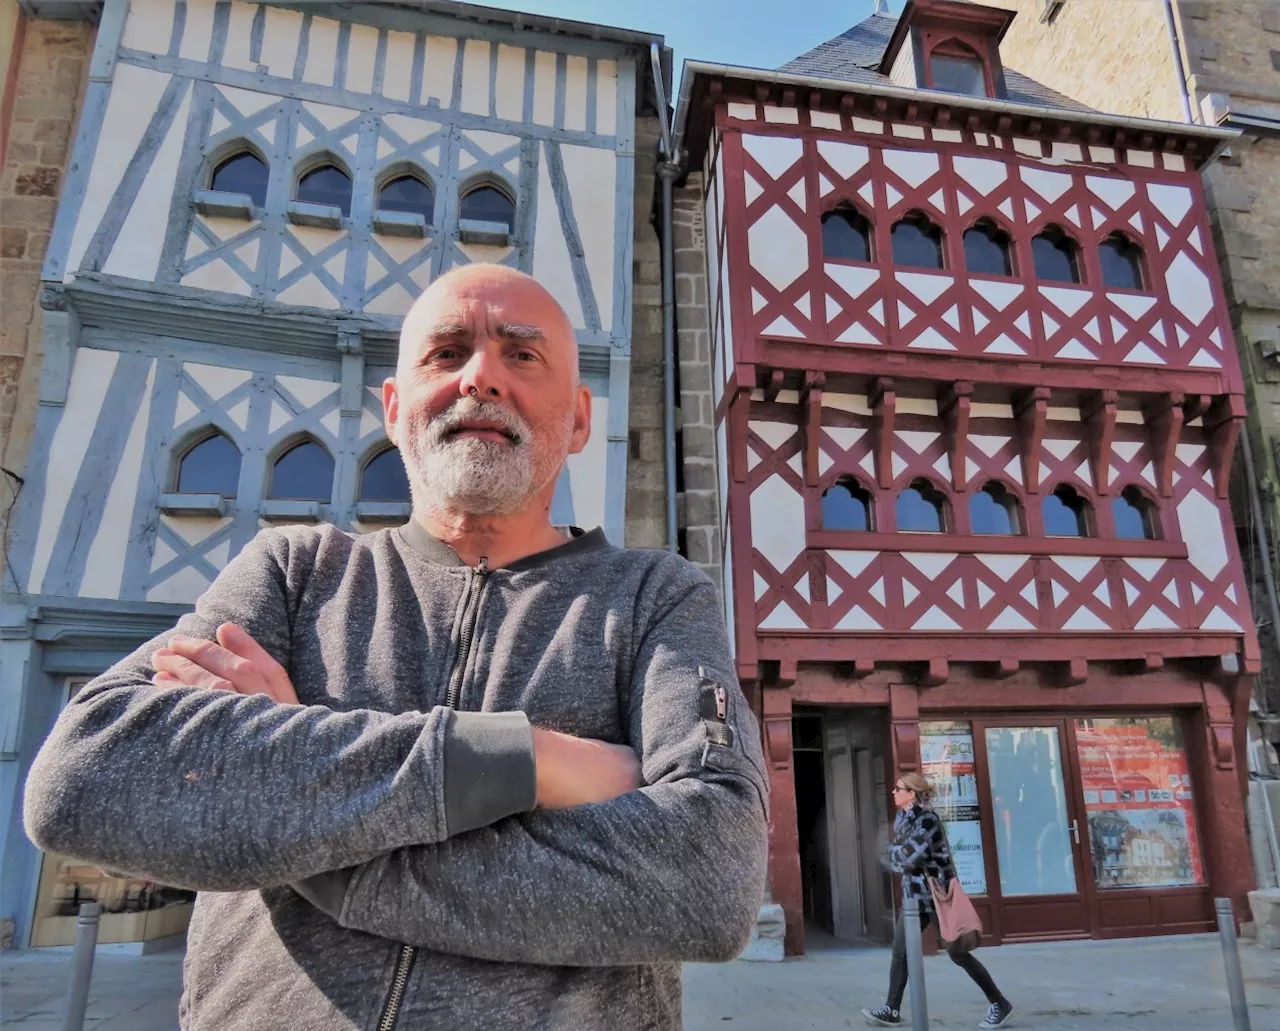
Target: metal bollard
82, 966
1231, 959
915, 965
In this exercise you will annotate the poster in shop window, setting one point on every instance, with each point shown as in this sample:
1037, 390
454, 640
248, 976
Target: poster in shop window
1141, 811
946, 752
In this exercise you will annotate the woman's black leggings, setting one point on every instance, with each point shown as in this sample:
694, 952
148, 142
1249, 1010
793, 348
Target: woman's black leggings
966, 961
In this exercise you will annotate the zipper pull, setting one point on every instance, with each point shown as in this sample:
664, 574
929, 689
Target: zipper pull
482, 567
722, 703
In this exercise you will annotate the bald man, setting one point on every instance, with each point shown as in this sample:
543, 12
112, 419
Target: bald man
477, 771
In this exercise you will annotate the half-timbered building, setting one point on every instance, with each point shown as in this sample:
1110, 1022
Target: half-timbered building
975, 402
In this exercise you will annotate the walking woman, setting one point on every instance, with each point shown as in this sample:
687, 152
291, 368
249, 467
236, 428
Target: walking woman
919, 852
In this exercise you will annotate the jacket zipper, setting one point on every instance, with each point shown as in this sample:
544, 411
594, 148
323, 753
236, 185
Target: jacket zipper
470, 616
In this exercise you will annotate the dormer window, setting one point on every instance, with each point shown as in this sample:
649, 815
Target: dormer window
954, 68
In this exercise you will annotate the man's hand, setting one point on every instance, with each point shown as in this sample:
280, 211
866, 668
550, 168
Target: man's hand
577, 771
235, 663
571, 771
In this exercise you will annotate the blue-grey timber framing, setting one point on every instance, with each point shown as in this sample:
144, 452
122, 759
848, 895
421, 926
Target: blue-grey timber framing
166, 320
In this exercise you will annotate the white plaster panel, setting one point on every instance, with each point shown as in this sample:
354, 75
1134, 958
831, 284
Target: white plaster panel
1084, 619
1201, 523
853, 279
219, 277
778, 247
590, 174
1075, 566
588, 469
575, 93
935, 619
475, 77
362, 55
1171, 201
197, 31
135, 95
1011, 619
136, 252
397, 75
184, 587
235, 52
1189, 288
1050, 185
149, 26
508, 98
86, 392
783, 617
983, 174
998, 295
928, 288
1219, 620
1115, 193
281, 31
777, 522
775, 154
551, 262
440, 55
544, 88
912, 166
322, 51
104, 565
845, 158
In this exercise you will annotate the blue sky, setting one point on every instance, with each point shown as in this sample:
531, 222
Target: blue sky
753, 33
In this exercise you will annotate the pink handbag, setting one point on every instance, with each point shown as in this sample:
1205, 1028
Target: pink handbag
959, 926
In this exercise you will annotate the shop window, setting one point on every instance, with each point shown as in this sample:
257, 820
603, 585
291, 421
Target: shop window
917, 242
995, 510
210, 466
384, 478
1066, 513
328, 184
409, 194
1055, 257
846, 235
1138, 801
488, 204
302, 473
1135, 516
846, 505
986, 250
1121, 261
244, 173
921, 508
955, 68
947, 761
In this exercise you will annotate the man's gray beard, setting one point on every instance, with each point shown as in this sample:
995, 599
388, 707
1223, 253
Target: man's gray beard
480, 477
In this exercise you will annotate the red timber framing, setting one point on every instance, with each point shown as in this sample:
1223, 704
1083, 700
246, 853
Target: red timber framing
877, 375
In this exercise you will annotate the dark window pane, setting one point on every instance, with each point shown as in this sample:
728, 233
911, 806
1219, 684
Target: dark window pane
384, 478
327, 184
1121, 266
486, 204
919, 509
1055, 259
845, 236
993, 510
1064, 514
408, 194
303, 473
243, 173
986, 252
917, 246
211, 467
845, 508
1133, 516
958, 75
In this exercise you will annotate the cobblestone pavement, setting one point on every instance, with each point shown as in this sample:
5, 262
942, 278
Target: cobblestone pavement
1151, 984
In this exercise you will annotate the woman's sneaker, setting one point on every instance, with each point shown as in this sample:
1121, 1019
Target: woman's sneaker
883, 1016
998, 1014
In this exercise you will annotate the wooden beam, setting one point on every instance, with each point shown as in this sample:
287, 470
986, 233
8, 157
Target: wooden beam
1196, 406
1222, 430
739, 413
1165, 419
848, 103
938, 672
1152, 662
788, 672
1032, 413
1077, 671
884, 404
774, 387
811, 428
863, 667
955, 417
1100, 425
1006, 668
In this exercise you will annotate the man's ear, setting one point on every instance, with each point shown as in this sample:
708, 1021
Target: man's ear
581, 421
391, 409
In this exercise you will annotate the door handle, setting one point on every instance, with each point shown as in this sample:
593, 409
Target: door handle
1075, 831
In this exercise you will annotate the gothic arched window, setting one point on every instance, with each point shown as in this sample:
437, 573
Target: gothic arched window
245, 173
410, 194
986, 250
384, 478
210, 466
1135, 516
921, 508
917, 242
304, 472
1055, 256
487, 203
995, 510
1121, 261
326, 184
846, 235
847, 505
1066, 513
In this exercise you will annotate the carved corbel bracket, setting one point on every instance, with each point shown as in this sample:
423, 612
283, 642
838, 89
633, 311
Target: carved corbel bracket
1164, 416
1100, 426
1032, 413
954, 406
1222, 426
811, 429
777, 727
774, 387
739, 418
884, 403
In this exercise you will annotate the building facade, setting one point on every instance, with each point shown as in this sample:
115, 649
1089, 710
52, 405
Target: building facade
971, 413
1215, 64
257, 194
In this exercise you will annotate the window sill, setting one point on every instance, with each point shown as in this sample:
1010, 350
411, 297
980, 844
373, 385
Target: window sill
206, 505
393, 512
317, 216
216, 204
279, 510
489, 234
984, 544
400, 223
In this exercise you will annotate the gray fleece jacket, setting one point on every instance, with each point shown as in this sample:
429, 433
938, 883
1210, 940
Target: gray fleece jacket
371, 858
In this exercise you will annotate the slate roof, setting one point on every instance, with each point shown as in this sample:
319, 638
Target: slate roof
854, 55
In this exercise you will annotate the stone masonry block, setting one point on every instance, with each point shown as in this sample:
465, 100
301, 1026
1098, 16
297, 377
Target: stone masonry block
690, 261
698, 545
1271, 18
13, 242
1203, 48
1198, 9
1275, 60
699, 475
38, 182
695, 376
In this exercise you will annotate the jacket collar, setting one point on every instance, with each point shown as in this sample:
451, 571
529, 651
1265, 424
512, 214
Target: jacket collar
434, 550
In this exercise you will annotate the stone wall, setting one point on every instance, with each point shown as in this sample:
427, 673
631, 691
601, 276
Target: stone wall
51, 66
646, 467
699, 501
1113, 56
